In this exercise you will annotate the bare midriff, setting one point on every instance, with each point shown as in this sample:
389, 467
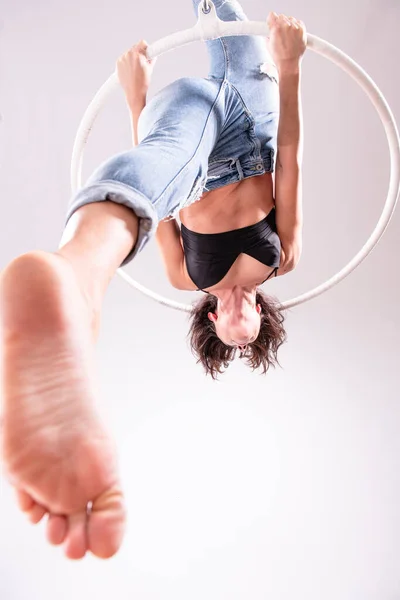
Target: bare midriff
232, 207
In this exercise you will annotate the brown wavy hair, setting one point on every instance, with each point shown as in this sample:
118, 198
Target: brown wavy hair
215, 356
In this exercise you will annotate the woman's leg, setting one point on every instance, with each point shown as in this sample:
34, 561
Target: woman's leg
177, 131
55, 449
235, 58
238, 60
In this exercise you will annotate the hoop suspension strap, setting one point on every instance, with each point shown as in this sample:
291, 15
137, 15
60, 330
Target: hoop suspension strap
206, 7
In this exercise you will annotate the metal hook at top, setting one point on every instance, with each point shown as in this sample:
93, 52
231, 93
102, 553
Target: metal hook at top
206, 7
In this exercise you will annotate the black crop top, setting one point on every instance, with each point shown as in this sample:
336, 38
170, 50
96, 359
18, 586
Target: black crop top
209, 256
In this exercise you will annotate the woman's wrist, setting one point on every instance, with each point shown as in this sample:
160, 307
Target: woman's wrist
289, 67
137, 102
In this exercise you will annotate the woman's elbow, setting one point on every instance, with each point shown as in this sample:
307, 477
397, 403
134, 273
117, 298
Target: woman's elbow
176, 282
292, 258
294, 263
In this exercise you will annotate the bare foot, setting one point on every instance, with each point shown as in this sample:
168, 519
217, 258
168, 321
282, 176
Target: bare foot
56, 451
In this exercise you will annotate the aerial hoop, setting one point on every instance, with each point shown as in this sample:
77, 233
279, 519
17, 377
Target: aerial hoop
209, 27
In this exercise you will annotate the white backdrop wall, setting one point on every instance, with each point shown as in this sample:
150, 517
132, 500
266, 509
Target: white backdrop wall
278, 487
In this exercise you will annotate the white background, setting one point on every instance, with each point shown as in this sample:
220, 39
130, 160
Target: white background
278, 487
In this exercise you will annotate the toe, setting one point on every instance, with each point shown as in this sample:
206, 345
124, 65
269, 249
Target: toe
25, 501
57, 528
76, 537
36, 513
32, 509
106, 525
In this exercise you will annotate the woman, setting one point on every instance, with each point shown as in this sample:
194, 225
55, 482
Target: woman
213, 139
216, 141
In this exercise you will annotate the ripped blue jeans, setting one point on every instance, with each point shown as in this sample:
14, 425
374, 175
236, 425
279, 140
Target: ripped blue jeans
195, 135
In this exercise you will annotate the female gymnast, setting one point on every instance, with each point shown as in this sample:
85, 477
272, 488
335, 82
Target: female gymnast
207, 151
217, 140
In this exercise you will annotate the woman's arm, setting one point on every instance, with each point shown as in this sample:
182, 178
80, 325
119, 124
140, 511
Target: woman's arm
136, 105
288, 179
134, 74
168, 238
288, 44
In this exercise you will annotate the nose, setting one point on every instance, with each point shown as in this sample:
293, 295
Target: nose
242, 343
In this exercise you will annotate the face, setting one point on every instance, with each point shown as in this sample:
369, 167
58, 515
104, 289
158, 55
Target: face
237, 327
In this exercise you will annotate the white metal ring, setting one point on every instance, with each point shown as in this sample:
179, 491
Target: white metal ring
208, 27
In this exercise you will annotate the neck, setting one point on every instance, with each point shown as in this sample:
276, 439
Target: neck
236, 297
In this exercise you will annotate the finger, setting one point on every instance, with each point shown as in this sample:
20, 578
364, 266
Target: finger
142, 48
142, 45
107, 521
57, 529
76, 537
286, 20
302, 25
271, 19
294, 22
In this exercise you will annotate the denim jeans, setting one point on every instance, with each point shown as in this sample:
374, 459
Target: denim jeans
196, 135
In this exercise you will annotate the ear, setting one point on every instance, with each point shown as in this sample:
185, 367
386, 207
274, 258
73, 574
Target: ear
213, 317
258, 309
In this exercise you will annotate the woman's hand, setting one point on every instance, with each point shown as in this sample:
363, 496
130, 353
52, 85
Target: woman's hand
134, 73
287, 41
